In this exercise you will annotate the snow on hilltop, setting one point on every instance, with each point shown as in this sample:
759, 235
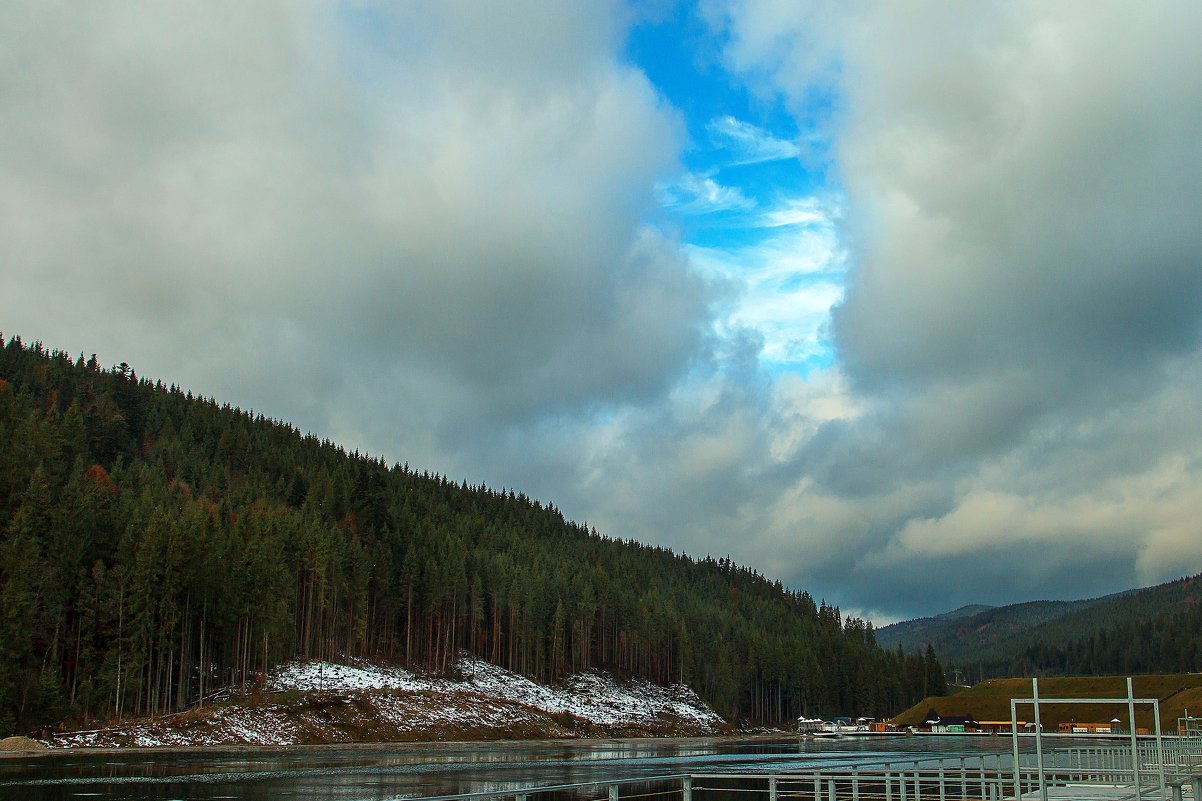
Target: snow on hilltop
362, 701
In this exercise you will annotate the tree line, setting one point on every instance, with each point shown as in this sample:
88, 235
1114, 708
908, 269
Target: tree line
158, 545
1166, 642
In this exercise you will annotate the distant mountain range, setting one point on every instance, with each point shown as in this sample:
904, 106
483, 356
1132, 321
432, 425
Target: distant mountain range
1057, 637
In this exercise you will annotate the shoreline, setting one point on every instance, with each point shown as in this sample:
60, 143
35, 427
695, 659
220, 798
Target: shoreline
406, 745
370, 703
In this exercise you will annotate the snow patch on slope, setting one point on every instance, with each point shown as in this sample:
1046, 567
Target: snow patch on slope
596, 697
356, 675
360, 700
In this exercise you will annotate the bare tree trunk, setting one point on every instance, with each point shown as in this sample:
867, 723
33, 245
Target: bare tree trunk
120, 648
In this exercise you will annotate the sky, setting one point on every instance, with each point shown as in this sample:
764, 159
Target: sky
898, 303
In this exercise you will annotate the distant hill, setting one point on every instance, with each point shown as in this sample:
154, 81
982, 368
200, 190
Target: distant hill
967, 632
936, 631
1154, 629
965, 611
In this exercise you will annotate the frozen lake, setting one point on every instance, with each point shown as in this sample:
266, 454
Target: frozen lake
376, 772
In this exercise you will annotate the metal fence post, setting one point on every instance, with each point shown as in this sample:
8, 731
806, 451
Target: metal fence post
1043, 787
1160, 752
613, 792
771, 788
686, 788
1134, 740
1018, 790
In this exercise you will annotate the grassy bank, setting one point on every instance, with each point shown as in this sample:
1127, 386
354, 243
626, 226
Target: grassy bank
990, 700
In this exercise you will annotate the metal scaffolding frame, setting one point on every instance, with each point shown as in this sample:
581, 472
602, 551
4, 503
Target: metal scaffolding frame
1130, 701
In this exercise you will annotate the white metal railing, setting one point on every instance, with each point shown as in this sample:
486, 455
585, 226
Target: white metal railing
1159, 764
1069, 773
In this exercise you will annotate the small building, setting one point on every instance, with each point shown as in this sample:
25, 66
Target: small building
1086, 728
809, 725
999, 726
950, 724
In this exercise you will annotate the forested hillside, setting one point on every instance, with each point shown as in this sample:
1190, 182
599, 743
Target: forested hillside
924, 631
963, 635
158, 545
1151, 630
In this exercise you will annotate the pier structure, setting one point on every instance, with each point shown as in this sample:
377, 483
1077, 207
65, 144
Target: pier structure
1155, 761
1155, 767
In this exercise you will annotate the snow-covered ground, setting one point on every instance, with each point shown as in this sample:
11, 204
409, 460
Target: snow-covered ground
356, 675
595, 697
360, 700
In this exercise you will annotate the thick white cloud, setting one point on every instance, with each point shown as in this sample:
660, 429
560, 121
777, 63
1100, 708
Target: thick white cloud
429, 217
1024, 304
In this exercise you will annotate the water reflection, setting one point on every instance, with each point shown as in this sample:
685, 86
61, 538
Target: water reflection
379, 772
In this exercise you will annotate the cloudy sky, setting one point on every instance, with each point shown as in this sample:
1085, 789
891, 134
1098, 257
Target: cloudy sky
900, 303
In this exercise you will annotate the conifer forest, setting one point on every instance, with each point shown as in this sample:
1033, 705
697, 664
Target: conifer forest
156, 546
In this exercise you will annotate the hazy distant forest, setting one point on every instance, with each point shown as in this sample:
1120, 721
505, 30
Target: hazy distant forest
157, 546
1168, 641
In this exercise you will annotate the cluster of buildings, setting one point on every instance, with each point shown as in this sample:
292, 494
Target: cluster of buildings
959, 724
934, 723
817, 727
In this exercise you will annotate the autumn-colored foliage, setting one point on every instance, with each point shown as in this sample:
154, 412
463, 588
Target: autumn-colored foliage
99, 476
